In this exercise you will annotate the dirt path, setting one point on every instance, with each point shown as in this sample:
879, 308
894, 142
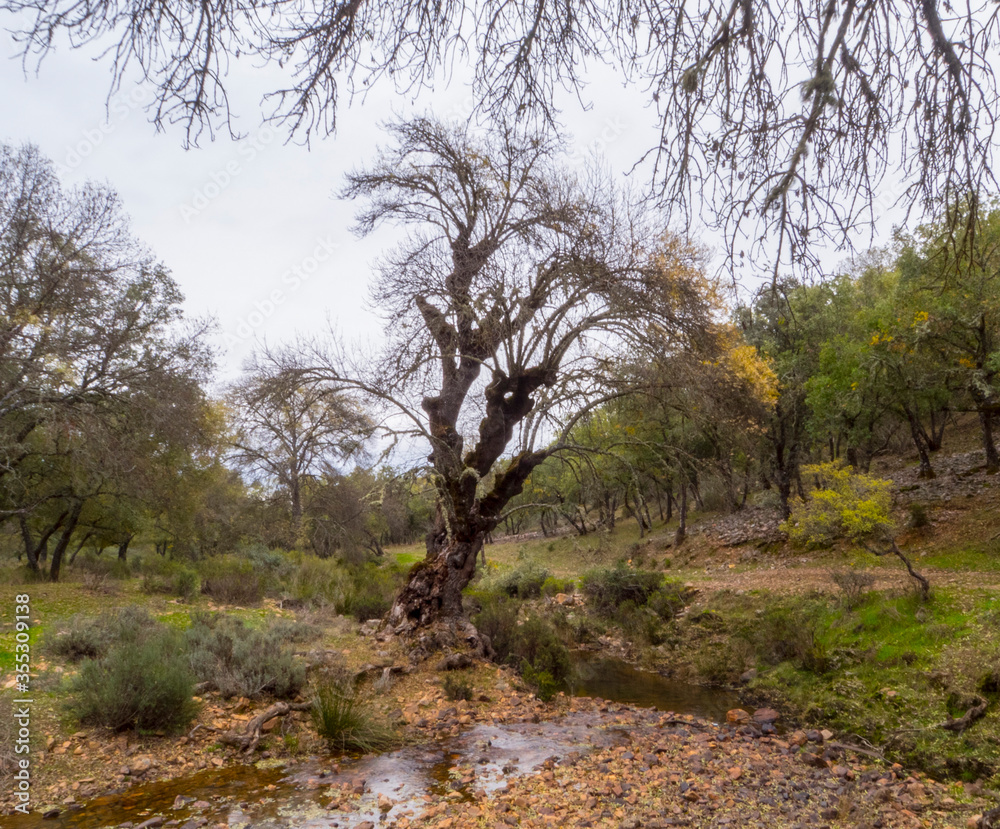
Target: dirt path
792, 578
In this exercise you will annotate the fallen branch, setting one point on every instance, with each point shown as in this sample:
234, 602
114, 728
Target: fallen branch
251, 736
858, 750
976, 712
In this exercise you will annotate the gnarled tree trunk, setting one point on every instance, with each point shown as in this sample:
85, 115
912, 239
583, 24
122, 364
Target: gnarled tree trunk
433, 593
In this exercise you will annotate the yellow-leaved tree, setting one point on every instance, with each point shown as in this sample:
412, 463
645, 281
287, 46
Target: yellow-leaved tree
849, 505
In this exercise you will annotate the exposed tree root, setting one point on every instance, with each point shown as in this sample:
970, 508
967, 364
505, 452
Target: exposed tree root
251, 736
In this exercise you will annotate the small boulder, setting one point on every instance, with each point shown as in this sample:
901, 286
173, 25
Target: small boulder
454, 662
766, 715
737, 716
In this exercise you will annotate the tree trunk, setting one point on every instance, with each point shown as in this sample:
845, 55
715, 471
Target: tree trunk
682, 515
79, 546
63, 542
123, 548
986, 424
919, 437
433, 592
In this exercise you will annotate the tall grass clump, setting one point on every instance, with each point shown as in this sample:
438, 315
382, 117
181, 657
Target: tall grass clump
347, 720
239, 661
142, 683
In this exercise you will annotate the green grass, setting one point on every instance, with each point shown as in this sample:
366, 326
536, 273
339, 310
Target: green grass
983, 556
888, 671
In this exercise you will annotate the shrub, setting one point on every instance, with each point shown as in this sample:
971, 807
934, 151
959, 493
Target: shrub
142, 683
552, 586
107, 566
668, 601
524, 581
456, 688
232, 580
497, 619
639, 624
854, 583
319, 582
163, 575
293, 630
239, 661
90, 637
347, 720
372, 589
788, 634
609, 588
531, 646
542, 658
919, 516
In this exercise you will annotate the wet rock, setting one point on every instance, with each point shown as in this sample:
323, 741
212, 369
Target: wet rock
737, 716
766, 715
152, 823
365, 824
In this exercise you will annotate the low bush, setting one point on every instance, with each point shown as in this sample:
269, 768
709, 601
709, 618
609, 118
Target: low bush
372, 590
240, 661
531, 646
456, 688
163, 575
788, 634
609, 588
110, 567
318, 582
232, 580
497, 619
524, 581
855, 584
91, 637
142, 683
553, 586
347, 720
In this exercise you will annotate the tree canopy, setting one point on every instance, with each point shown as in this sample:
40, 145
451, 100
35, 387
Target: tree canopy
783, 124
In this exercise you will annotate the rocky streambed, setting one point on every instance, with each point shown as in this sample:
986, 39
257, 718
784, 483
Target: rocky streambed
577, 763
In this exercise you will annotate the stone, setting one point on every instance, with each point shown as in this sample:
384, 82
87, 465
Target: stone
766, 715
798, 738
737, 716
152, 823
141, 764
384, 804
454, 662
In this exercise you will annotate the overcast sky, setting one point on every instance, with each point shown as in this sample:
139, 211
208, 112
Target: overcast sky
251, 229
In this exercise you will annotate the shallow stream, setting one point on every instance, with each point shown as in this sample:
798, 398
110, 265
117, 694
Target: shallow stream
480, 759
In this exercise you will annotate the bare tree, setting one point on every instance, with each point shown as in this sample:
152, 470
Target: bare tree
517, 290
288, 430
783, 119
